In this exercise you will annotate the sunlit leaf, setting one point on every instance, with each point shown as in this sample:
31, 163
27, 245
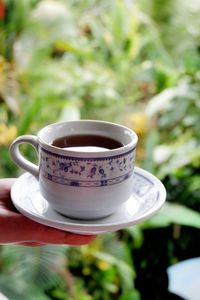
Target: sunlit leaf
69, 113
174, 214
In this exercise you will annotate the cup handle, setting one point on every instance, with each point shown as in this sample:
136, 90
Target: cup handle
19, 159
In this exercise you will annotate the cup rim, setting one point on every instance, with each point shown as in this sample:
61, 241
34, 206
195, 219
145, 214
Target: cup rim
130, 146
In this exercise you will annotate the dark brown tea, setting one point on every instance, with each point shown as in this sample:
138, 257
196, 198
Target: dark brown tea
87, 142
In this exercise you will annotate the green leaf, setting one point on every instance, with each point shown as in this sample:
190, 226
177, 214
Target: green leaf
132, 295
126, 273
151, 141
174, 214
137, 235
69, 113
40, 266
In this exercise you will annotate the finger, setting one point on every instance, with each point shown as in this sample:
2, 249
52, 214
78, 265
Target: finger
5, 186
32, 244
27, 244
5, 201
53, 236
31, 231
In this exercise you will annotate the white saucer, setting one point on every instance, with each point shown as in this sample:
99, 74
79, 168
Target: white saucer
148, 197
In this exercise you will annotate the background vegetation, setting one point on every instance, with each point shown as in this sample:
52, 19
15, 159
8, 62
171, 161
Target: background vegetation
132, 62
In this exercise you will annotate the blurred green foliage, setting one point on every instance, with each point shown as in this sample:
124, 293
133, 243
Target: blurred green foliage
132, 62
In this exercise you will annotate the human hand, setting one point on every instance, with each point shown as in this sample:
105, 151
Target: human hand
17, 229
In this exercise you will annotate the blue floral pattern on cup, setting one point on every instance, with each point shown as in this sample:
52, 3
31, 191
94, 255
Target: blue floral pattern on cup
86, 172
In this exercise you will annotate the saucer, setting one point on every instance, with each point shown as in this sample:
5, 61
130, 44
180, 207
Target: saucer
148, 197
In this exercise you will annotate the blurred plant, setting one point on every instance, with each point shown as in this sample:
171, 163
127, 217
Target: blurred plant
133, 62
7, 134
27, 272
87, 272
107, 268
181, 148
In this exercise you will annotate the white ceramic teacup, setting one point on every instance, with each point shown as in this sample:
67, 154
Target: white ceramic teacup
81, 184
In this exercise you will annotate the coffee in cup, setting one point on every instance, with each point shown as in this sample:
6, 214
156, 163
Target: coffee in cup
85, 142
